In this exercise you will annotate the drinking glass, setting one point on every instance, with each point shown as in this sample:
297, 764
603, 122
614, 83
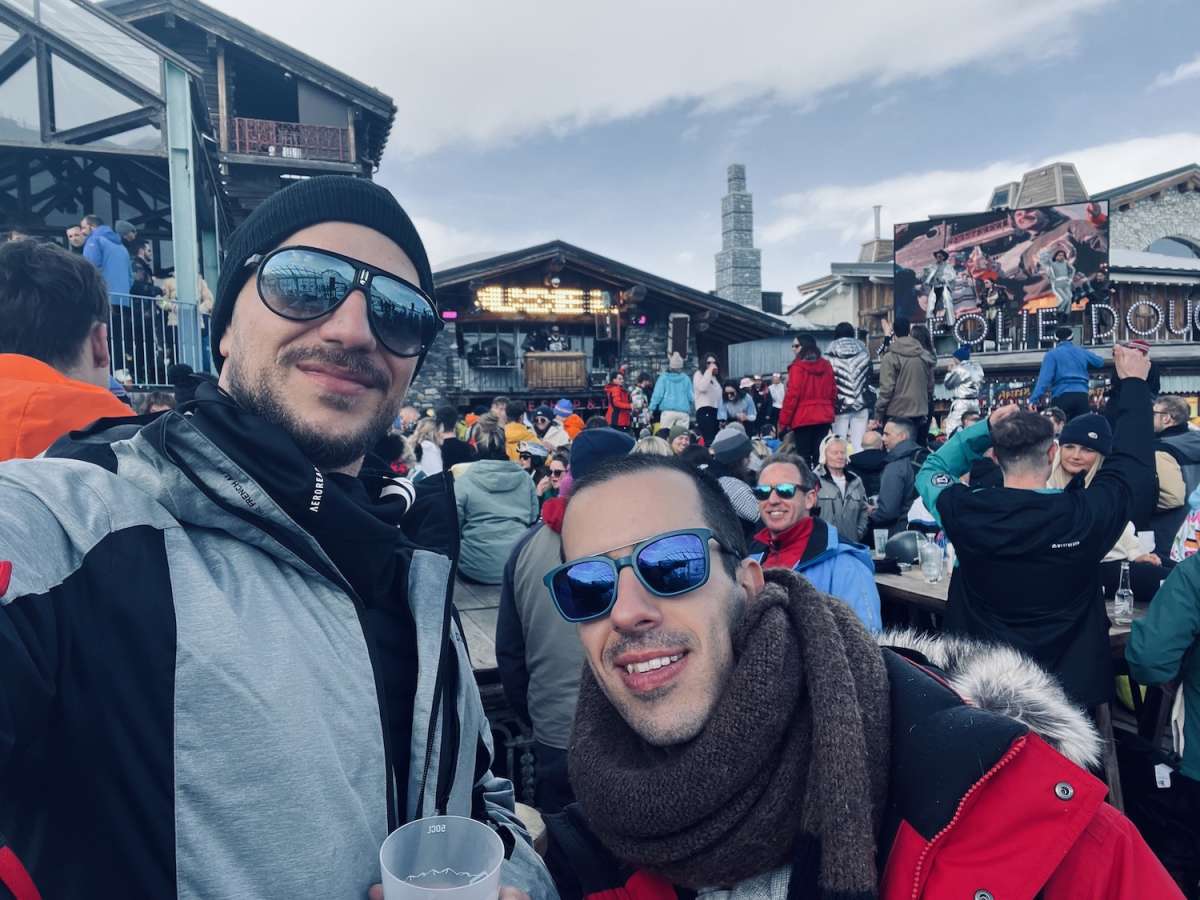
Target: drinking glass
447, 857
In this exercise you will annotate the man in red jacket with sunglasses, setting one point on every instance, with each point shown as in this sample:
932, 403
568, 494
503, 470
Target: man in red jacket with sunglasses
738, 731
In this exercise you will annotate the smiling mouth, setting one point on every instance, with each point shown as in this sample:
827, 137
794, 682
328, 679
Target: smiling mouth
649, 675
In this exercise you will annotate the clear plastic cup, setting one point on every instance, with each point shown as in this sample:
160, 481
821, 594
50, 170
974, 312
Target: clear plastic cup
442, 857
881, 539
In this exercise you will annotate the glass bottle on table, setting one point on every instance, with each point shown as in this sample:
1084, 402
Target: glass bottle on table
1123, 599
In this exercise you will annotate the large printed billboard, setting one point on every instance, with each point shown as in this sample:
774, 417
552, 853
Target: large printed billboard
1048, 257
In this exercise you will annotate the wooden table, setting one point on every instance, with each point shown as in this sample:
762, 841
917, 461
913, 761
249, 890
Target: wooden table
910, 589
478, 607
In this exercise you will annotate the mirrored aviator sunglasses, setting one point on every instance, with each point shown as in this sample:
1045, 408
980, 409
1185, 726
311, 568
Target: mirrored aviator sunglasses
667, 565
306, 283
786, 491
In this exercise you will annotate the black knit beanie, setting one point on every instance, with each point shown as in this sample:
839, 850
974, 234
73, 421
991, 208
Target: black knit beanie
1091, 431
330, 198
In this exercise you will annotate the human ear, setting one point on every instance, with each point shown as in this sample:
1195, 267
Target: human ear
749, 577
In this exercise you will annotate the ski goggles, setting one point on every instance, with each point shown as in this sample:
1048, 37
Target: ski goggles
786, 491
667, 565
304, 283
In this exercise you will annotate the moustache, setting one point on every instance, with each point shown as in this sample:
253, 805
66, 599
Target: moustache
355, 363
664, 640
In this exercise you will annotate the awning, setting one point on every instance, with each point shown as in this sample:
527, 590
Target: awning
1181, 280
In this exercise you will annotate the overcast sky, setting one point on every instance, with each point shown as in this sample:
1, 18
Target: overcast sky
610, 124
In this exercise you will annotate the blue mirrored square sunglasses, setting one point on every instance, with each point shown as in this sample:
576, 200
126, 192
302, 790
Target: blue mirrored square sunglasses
667, 565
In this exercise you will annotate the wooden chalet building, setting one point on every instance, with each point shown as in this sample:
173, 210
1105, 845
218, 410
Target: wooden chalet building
608, 314
277, 113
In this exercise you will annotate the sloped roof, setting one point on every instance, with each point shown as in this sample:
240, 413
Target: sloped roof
739, 322
255, 41
1119, 258
1136, 186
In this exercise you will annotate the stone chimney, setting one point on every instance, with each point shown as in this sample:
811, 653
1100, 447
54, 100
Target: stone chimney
739, 264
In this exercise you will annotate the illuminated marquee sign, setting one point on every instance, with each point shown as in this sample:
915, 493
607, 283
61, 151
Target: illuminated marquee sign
542, 301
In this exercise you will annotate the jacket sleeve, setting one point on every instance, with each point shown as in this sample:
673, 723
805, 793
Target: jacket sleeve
887, 385
749, 408
862, 513
535, 507
510, 640
657, 397
1158, 642
722, 413
891, 495
92, 252
791, 397
1172, 492
1124, 488
950, 463
1044, 380
854, 585
1110, 861
1094, 360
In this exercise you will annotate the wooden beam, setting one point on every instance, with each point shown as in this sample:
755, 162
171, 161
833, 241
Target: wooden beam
350, 128
95, 131
222, 101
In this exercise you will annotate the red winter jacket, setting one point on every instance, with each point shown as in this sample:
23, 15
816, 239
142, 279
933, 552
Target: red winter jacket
619, 405
811, 392
979, 806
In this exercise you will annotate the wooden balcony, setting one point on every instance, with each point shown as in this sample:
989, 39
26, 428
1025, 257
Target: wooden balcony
289, 140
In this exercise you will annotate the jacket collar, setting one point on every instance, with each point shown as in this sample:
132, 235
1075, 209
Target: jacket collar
902, 450
815, 537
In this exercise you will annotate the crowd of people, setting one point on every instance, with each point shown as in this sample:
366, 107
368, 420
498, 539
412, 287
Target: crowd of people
251, 582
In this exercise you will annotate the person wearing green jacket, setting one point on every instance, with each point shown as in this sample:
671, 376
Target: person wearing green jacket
496, 502
1165, 645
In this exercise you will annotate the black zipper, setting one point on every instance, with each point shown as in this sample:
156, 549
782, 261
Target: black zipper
444, 659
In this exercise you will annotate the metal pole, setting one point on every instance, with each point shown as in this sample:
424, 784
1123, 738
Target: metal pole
184, 230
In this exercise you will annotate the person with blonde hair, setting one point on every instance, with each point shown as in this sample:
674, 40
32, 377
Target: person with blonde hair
425, 446
841, 495
653, 445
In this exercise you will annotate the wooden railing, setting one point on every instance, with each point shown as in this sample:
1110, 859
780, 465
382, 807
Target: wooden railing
288, 140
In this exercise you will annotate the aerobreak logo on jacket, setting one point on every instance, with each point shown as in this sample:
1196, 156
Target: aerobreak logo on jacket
314, 505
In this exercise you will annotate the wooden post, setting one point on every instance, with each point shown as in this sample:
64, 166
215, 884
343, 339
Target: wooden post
350, 129
222, 103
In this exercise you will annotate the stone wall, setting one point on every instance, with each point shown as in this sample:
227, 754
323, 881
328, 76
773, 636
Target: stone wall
435, 384
1172, 215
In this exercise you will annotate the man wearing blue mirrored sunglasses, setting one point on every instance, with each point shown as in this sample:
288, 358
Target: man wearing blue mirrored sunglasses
739, 733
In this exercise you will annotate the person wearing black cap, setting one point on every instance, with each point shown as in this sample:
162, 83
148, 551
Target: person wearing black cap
1028, 557
247, 600
547, 429
538, 653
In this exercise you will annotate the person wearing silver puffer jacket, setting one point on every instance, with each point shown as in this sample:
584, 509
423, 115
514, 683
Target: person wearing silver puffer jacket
851, 366
964, 380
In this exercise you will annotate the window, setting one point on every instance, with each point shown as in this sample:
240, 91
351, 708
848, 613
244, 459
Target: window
1175, 247
79, 98
491, 345
92, 34
19, 120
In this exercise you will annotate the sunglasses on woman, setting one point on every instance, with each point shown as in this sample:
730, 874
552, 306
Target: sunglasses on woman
305, 283
786, 491
667, 565
557, 473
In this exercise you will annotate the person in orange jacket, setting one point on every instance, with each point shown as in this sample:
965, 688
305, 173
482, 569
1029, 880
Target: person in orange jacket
620, 405
53, 348
565, 415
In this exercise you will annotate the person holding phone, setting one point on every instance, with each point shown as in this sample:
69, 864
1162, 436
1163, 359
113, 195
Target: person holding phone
707, 393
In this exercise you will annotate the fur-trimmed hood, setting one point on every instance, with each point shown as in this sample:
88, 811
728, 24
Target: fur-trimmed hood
1005, 681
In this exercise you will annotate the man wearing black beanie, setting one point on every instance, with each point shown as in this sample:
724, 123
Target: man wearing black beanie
225, 628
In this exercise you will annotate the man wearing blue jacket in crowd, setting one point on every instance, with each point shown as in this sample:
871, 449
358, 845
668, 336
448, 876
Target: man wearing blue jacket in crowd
793, 539
1064, 373
105, 250
672, 398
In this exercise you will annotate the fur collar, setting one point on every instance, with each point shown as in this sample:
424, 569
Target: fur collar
1003, 680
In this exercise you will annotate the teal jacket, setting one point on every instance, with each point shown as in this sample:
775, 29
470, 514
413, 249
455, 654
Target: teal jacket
1165, 645
672, 393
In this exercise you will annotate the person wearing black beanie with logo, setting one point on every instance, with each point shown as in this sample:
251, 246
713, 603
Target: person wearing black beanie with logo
259, 611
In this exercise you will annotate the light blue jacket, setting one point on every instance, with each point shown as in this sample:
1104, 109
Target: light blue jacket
1065, 371
672, 393
845, 571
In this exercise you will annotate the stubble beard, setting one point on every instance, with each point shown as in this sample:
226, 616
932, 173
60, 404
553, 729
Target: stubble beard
264, 396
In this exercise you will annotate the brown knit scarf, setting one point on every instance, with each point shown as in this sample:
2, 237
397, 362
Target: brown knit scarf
791, 766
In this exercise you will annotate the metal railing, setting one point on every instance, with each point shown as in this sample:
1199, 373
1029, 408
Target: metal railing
147, 335
288, 140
